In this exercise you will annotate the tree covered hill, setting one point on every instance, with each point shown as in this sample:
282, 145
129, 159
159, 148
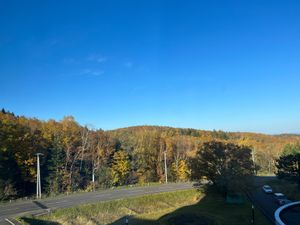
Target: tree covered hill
264, 146
73, 153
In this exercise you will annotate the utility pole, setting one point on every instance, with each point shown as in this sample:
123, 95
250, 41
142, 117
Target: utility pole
253, 161
38, 177
252, 220
93, 178
166, 171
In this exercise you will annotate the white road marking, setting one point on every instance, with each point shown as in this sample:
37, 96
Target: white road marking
7, 220
50, 203
135, 191
104, 195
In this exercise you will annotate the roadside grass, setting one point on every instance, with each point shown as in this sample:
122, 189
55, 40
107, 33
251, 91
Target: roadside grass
173, 208
109, 211
216, 211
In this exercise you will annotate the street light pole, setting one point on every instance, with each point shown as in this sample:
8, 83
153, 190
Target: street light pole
252, 220
38, 177
253, 161
166, 171
93, 178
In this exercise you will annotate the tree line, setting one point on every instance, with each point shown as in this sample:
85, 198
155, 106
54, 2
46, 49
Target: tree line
288, 164
74, 156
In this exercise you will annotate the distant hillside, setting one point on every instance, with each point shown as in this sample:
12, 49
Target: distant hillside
72, 153
266, 147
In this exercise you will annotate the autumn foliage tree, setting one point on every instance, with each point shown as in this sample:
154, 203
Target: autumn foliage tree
181, 172
75, 155
20, 139
226, 166
120, 168
288, 165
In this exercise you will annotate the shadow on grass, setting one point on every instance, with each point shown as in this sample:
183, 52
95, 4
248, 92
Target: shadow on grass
35, 221
168, 219
187, 215
211, 209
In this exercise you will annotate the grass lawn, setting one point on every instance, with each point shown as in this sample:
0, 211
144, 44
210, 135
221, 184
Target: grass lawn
173, 208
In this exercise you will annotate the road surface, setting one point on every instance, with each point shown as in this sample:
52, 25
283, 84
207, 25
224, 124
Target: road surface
266, 203
11, 210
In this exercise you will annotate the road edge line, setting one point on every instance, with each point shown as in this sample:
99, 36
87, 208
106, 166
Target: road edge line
7, 220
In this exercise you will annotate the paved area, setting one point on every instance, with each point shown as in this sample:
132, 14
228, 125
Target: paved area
291, 216
11, 210
267, 204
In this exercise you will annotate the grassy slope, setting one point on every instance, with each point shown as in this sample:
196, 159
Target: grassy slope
181, 207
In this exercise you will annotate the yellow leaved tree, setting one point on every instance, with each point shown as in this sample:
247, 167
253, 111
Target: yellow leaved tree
181, 171
120, 168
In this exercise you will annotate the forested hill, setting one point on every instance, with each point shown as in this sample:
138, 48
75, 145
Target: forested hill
262, 144
72, 153
219, 134
184, 142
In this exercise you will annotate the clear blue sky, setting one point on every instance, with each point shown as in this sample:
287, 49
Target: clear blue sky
230, 65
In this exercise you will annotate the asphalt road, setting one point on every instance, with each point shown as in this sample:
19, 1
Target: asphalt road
11, 210
266, 203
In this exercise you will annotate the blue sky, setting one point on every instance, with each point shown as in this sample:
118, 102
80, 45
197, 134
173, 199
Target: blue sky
230, 65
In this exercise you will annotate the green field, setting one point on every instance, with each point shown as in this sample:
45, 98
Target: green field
180, 207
